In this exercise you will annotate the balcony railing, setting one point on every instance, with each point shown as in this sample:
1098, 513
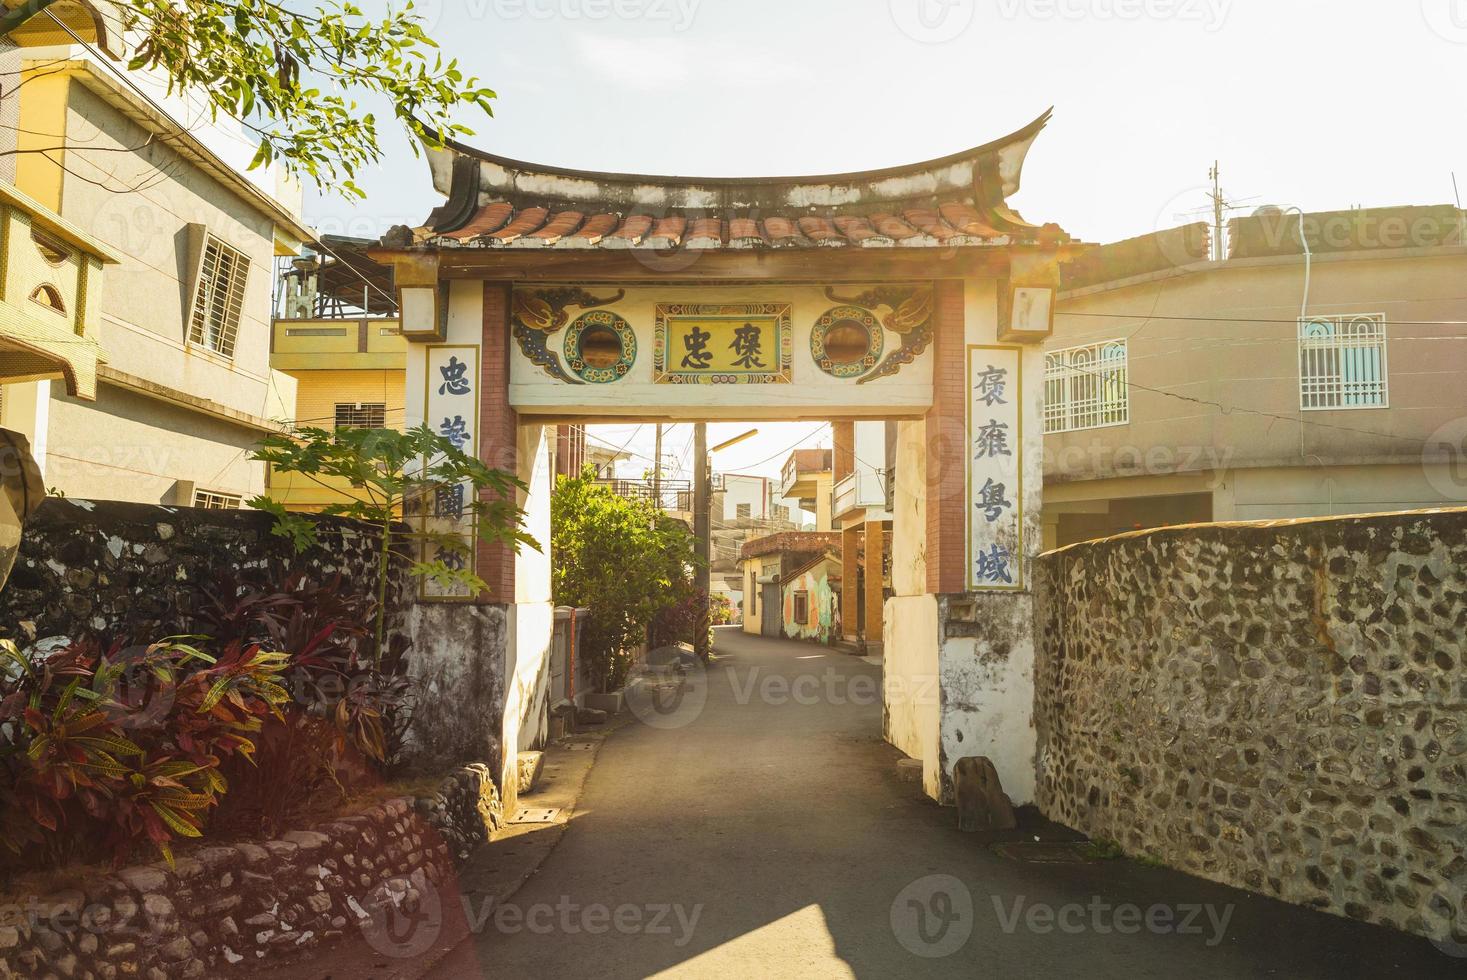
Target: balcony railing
860, 490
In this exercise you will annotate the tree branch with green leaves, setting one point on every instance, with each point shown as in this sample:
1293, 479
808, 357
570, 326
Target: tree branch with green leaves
291, 73
387, 473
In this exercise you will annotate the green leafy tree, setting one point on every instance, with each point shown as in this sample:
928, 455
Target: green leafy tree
387, 471
623, 559
291, 72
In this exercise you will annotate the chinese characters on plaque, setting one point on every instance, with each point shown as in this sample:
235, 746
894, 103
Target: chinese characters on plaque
452, 411
723, 344
996, 469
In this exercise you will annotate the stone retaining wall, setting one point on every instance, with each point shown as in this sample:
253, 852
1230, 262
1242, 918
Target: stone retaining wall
242, 905
1280, 707
134, 571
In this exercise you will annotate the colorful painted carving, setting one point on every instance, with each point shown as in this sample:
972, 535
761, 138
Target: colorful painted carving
538, 313
745, 344
600, 347
847, 342
910, 317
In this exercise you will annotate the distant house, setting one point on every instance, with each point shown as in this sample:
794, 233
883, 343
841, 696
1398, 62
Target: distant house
1180, 389
337, 335
792, 585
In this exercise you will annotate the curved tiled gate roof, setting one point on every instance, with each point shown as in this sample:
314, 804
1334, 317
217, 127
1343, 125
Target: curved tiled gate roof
952, 202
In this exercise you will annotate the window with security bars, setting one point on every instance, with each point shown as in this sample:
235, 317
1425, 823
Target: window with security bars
210, 500
219, 298
744, 511
361, 415
801, 609
1342, 362
1087, 387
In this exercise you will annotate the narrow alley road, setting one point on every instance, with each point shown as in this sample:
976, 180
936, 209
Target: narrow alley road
765, 834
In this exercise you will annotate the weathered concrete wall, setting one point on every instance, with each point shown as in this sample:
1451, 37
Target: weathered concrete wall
819, 624
457, 669
1281, 707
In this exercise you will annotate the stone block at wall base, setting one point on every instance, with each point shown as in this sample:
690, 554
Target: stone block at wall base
612, 703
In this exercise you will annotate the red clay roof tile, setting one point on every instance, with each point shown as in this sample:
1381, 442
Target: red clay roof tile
525, 222
490, 218
966, 219
669, 228
633, 229
560, 225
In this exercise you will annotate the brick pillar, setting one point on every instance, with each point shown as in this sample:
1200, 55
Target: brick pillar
845, 449
497, 432
875, 598
850, 586
946, 434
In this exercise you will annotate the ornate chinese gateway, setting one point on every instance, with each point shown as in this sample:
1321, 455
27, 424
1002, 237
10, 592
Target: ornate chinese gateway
539, 295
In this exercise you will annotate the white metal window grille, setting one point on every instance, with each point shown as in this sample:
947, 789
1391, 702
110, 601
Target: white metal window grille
1342, 362
219, 300
361, 415
210, 500
1087, 387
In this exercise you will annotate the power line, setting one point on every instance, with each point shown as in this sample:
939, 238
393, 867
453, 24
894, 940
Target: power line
1228, 319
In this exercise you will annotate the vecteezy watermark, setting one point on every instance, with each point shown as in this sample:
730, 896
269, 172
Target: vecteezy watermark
1102, 918
933, 916
1098, 460
932, 21
569, 918
1447, 19
1211, 14
668, 696
407, 918
832, 687
1445, 460
677, 14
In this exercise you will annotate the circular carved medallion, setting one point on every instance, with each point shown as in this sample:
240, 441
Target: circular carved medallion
846, 342
600, 347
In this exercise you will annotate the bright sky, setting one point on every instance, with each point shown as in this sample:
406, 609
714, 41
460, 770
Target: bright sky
1323, 104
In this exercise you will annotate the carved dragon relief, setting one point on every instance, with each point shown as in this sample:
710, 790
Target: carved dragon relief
539, 313
908, 314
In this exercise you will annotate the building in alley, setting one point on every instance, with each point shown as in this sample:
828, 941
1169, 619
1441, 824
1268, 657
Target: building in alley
1302, 376
181, 322
337, 336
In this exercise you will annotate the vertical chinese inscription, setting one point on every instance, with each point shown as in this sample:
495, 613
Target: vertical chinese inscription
995, 469
452, 411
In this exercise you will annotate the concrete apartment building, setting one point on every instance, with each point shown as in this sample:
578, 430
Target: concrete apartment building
185, 385
1183, 390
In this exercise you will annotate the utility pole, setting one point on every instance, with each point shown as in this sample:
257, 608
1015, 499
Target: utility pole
1219, 206
657, 469
702, 535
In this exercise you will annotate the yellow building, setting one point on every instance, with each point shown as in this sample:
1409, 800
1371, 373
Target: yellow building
348, 360
169, 385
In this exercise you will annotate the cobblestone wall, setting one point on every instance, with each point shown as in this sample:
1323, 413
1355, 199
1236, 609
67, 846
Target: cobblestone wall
252, 904
1281, 707
132, 570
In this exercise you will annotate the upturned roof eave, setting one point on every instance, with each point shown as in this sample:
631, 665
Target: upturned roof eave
996, 164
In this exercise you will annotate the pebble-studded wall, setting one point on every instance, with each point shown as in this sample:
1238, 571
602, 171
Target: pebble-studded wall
1280, 707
